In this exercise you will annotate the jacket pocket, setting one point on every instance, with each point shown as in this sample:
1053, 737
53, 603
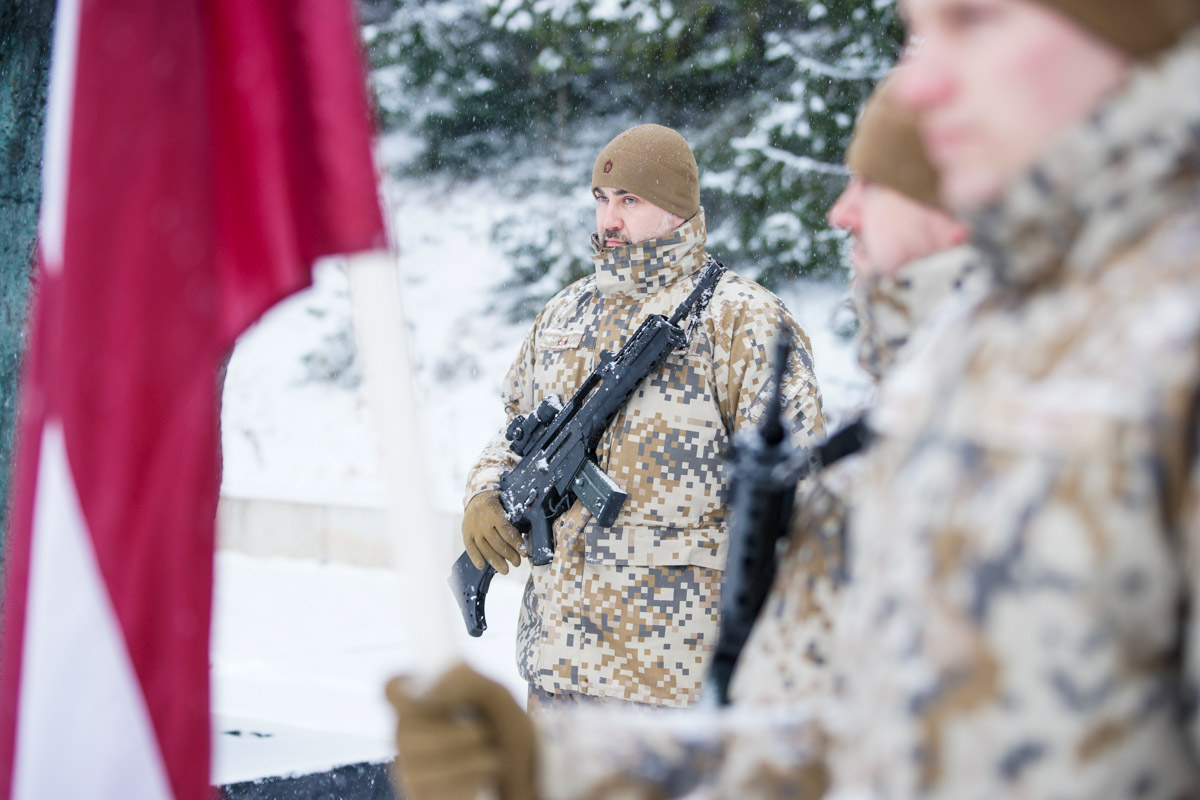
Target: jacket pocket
656, 546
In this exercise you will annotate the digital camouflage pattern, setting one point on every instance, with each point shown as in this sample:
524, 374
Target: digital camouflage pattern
538, 701
631, 611
1024, 564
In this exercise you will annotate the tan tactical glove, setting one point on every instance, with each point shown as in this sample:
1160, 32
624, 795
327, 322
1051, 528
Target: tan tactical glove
463, 735
487, 534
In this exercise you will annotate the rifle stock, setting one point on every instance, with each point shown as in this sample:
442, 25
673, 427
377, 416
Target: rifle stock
470, 585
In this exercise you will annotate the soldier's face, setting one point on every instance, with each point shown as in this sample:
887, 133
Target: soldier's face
994, 83
624, 218
890, 230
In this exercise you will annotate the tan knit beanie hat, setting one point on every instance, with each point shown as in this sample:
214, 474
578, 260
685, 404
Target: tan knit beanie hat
656, 164
1140, 28
886, 149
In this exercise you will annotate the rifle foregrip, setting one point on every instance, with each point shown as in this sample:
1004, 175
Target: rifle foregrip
541, 538
470, 585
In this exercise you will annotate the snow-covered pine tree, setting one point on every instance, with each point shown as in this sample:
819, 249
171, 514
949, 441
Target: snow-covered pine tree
25, 34
775, 179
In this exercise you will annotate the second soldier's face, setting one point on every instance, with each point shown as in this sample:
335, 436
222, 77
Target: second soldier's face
623, 218
889, 230
995, 82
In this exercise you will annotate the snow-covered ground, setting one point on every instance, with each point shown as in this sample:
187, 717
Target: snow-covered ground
301, 652
301, 649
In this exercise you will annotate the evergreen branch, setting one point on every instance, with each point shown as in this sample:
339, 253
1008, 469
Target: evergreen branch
815, 67
803, 163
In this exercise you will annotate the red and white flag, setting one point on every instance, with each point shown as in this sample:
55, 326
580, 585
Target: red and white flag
200, 155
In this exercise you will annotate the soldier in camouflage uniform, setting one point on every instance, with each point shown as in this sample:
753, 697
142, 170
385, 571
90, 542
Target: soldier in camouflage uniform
629, 612
744, 751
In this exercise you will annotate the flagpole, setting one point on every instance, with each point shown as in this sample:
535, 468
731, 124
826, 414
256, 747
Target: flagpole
419, 551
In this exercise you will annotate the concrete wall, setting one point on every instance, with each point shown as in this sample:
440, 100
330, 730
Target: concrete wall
25, 31
356, 535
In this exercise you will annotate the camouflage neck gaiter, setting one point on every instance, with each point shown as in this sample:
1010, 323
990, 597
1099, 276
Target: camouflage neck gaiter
891, 307
645, 267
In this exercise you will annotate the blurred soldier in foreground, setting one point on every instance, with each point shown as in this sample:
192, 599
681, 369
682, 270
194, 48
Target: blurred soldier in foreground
466, 730
628, 612
1023, 616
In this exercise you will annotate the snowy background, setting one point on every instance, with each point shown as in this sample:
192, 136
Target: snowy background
304, 639
296, 424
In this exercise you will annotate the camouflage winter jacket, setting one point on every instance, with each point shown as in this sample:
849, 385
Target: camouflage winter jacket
630, 611
1023, 619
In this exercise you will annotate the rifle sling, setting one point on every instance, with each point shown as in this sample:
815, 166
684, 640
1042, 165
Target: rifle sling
846, 442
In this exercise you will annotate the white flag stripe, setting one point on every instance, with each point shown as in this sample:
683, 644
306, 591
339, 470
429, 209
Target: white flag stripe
83, 730
57, 156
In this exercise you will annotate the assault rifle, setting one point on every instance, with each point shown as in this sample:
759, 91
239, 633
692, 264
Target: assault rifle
764, 470
557, 445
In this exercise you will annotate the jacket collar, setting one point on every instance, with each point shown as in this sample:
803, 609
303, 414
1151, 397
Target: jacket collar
645, 267
1106, 182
